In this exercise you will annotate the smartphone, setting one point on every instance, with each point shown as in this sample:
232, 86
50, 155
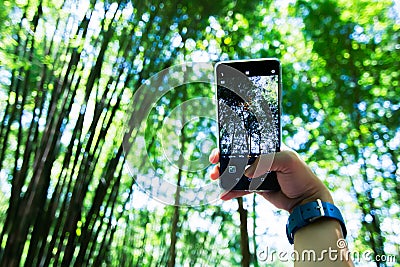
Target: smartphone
249, 120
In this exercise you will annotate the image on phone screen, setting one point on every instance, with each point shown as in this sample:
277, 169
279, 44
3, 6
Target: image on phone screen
248, 95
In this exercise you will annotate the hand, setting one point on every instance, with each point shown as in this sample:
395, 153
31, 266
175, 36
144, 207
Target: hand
298, 183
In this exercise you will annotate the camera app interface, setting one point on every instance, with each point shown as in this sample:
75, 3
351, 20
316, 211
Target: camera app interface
248, 108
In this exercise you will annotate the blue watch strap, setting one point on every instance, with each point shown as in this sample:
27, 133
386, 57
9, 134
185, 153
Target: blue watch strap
309, 212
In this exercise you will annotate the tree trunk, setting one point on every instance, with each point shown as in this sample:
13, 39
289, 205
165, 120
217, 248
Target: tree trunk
244, 236
255, 261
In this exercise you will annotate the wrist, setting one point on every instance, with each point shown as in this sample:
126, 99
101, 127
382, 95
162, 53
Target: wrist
319, 227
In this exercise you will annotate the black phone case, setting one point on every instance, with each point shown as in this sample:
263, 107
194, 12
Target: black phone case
237, 180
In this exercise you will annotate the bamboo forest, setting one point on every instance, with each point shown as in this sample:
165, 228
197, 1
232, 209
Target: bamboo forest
104, 161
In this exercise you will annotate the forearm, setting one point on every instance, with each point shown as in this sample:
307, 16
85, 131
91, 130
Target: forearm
321, 244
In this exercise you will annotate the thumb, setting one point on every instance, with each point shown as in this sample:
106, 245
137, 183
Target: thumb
262, 165
279, 162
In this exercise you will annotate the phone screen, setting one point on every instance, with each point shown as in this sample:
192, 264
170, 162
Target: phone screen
248, 95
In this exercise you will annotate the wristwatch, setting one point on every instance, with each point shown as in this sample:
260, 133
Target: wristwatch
305, 214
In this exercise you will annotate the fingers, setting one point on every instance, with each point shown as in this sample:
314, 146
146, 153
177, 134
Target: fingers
278, 162
214, 175
261, 166
226, 195
214, 156
233, 194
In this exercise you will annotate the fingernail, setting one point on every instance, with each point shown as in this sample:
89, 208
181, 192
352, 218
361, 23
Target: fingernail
223, 196
249, 171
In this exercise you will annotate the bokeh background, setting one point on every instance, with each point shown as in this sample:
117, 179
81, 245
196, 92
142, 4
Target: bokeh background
68, 72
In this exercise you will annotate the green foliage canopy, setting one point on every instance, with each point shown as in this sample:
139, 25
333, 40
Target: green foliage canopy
69, 69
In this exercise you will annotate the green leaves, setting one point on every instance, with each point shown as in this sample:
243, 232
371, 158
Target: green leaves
69, 70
